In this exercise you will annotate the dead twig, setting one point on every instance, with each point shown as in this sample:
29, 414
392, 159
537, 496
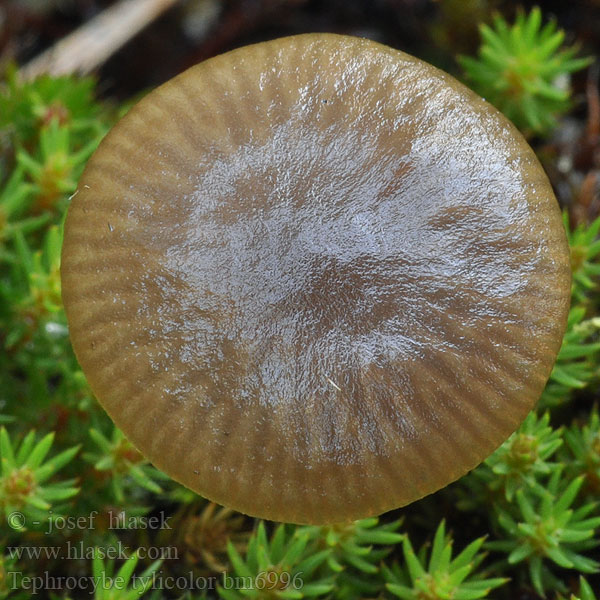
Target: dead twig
94, 42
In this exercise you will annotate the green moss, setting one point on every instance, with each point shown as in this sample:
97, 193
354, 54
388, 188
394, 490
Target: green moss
524, 71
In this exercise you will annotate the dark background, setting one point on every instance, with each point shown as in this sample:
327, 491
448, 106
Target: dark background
196, 29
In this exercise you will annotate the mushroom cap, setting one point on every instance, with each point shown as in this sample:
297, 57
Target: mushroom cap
316, 278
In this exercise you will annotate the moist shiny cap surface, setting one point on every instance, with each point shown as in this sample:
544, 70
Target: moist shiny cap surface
315, 279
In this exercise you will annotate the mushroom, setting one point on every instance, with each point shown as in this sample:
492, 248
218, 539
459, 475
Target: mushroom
315, 278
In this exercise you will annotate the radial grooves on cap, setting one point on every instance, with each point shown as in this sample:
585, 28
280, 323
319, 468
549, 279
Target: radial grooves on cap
254, 107
449, 421
180, 113
134, 379
95, 291
499, 374
440, 387
163, 436
234, 453
444, 372
84, 263
225, 104
205, 124
426, 469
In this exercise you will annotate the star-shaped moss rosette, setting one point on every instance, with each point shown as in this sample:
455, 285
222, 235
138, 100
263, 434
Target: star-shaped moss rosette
523, 70
577, 361
545, 530
523, 459
584, 247
27, 106
26, 494
55, 166
357, 549
584, 445
121, 584
434, 575
285, 566
35, 336
118, 459
206, 533
15, 198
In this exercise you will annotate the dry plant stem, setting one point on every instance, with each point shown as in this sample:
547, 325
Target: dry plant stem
588, 201
93, 43
588, 197
593, 98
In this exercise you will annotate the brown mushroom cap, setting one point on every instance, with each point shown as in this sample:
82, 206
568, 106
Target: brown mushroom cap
316, 278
